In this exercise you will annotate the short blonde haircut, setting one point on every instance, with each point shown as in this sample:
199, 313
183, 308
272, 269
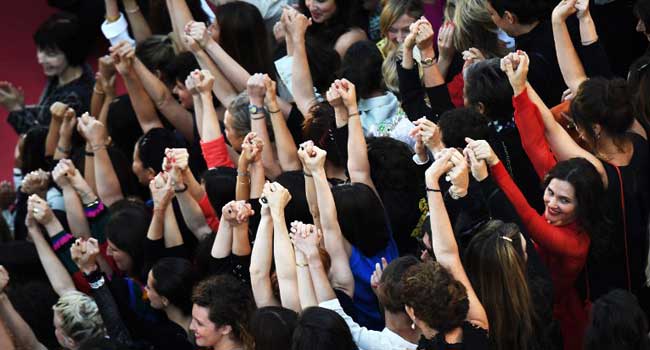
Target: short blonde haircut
80, 318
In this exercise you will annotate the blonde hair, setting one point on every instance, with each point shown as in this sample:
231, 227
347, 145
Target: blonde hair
80, 318
391, 12
475, 28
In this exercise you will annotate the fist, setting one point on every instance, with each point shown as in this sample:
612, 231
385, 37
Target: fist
92, 130
84, 254
36, 181
256, 88
39, 210
276, 196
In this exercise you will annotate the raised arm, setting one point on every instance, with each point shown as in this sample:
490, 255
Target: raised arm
284, 143
278, 197
358, 164
56, 273
123, 55
222, 246
64, 143
570, 65
57, 110
256, 89
180, 15
161, 194
301, 80
108, 185
24, 337
434, 73
250, 171
305, 239
336, 245
241, 245
74, 211
443, 240
139, 25
261, 261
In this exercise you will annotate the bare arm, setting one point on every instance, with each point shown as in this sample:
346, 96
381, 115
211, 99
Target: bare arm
444, 243
261, 259
570, 65
284, 143
241, 245
24, 337
301, 80
171, 232
52, 138
74, 212
138, 23
222, 246
180, 15
256, 91
285, 267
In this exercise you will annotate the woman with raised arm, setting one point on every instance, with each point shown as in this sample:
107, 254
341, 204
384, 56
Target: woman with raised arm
574, 221
231, 251
604, 117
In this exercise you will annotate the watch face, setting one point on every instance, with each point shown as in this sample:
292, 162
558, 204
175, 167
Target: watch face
252, 109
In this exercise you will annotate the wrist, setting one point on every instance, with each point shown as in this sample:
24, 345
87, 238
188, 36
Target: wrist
313, 256
428, 52
492, 161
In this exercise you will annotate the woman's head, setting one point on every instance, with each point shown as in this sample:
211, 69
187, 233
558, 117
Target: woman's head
474, 28
272, 327
573, 192
602, 108
457, 124
496, 266
58, 44
362, 66
236, 23
126, 230
176, 72
642, 13
361, 217
321, 11
638, 81
155, 53
433, 298
237, 121
396, 18
322, 329
617, 322
32, 152
169, 283
77, 319
149, 152
488, 91
391, 285
320, 129
220, 186
221, 310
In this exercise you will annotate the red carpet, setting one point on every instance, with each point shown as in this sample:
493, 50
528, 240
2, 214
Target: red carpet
18, 65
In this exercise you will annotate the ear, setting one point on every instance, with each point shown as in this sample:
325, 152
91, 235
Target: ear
409, 311
510, 17
480, 107
164, 301
597, 130
225, 329
158, 73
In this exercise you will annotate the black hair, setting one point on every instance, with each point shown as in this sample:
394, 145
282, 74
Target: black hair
320, 129
638, 81
229, 303
591, 210
126, 229
396, 179
348, 14
298, 208
238, 23
62, 31
220, 186
33, 152
180, 67
272, 327
487, 84
361, 216
174, 278
390, 284
457, 124
122, 125
322, 329
102, 344
604, 102
323, 62
151, 147
642, 11
527, 11
156, 52
361, 65
617, 323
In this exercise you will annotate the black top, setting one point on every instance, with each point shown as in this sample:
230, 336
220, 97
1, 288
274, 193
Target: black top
474, 338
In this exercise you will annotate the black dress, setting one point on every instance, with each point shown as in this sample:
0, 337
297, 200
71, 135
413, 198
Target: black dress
474, 338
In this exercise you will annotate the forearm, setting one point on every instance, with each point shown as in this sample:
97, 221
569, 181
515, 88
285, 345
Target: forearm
222, 246
138, 23
433, 74
407, 59
63, 148
240, 244
96, 101
23, 335
442, 237
155, 231
222, 87
234, 72
312, 200
193, 187
89, 168
257, 180
285, 266
358, 164
258, 126
144, 108
243, 187
108, 185
74, 213
180, 15
261, 260
286, 147
198, 114
588, 34
306, 290
171, 232
567, 57
52, 138
211, 128
193, 216
321, 283
301, 80
103, 111
109, 311
54, 270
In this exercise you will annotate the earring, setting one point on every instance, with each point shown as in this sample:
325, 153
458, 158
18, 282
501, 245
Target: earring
413, 326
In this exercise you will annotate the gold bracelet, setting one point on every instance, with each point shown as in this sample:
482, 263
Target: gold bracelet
112, 19
136, 9
301, 265
97, 91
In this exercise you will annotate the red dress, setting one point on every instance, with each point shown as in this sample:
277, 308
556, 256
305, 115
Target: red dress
563, 248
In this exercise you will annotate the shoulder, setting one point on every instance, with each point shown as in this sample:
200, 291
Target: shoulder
348, 39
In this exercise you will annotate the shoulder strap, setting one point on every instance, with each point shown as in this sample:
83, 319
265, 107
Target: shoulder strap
627, 258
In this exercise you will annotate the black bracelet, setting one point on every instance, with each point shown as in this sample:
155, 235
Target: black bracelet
181, 190
308, 175
258, 118
89, 154
273, 112
434, 190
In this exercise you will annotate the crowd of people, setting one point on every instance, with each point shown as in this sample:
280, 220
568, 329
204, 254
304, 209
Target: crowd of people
332, 174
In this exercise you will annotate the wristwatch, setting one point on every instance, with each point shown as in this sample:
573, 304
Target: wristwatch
253, 109
426, 62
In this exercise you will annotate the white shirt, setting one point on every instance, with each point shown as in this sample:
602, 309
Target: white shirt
367, 339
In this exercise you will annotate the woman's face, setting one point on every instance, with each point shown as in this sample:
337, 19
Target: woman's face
53, 61
232, 135
206, 333
641, 28
321, 10
399, 30
144, 175
560, 202
155, 300
61, 337
123, 260
184, 95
